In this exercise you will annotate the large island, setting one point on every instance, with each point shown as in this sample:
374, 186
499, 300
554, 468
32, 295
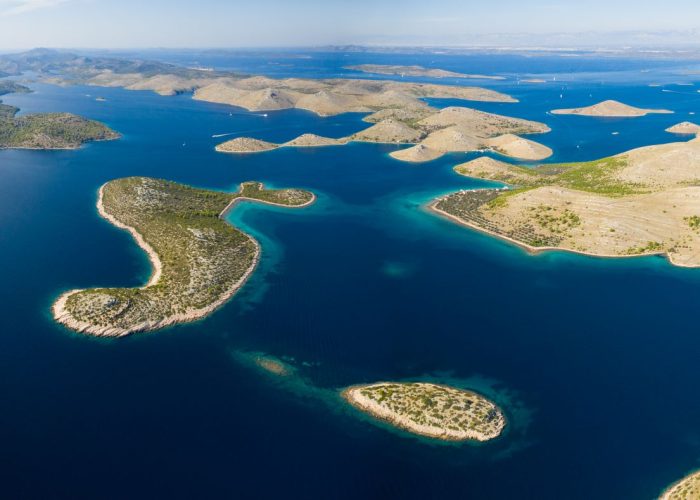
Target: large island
431, 410
645, 201
199, 260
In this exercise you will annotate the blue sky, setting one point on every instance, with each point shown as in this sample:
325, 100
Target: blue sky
251, 23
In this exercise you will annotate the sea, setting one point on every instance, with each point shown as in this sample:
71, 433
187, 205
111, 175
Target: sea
595, 362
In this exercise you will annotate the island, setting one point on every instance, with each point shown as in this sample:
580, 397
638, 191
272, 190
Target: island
272, 365
610, 109
324, 97
432, 133
45, 130
684, 128
687, 488
49, 130
199, 260
397, 111
642, 202
430, 410
249, 145
414, 70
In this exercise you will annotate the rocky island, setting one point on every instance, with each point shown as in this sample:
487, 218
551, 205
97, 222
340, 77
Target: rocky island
610, 109
687, 488
642, 202
432, 133
248, 145
431, 410
414, 70
684, 128
199, 261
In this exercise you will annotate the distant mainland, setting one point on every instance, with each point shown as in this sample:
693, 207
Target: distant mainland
396, 70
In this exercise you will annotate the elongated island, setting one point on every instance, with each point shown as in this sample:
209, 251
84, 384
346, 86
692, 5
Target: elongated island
431, 410
199, 260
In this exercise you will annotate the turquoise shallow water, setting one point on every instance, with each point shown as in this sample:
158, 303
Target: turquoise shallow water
594, 361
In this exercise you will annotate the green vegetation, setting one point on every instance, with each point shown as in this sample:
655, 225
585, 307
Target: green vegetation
49, 131
502, 199
430, 409
7, 111
652, 246
693, 222
554, 221
10, 87
45, 131
204, 259
597, 177
593, 177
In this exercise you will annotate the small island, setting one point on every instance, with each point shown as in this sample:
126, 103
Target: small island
414, 70
642, 202
684, 128
199, 260
610, 109
430, 410
687, 488
249, 145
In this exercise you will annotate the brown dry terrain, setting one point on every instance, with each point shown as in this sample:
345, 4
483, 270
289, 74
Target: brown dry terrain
645, 201
434, 133
685, 128
610, 109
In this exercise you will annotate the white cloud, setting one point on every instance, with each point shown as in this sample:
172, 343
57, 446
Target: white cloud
16, 7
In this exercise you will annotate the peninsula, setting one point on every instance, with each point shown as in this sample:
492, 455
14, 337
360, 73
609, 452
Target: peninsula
610, 109
49, 130
199, 261
11, 87
687, 488
45, 130
642, 202
431, 132
396, 70
431, 410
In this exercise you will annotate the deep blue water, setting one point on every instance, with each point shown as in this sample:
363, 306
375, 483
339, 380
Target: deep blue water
595, 361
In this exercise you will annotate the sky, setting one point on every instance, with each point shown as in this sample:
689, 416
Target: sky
279, 23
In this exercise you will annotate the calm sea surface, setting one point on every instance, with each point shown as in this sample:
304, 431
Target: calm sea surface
594, 361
